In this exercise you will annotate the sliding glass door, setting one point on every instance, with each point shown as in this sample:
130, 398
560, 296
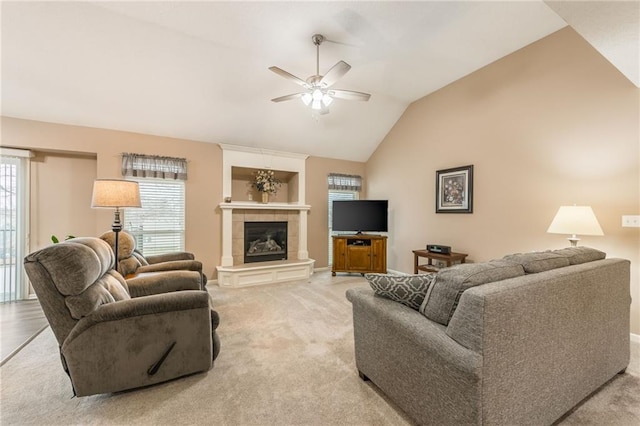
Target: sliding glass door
14, 179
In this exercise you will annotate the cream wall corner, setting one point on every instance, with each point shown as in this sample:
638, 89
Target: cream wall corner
552, 124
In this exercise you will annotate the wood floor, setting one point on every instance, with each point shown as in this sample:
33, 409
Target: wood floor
19, 323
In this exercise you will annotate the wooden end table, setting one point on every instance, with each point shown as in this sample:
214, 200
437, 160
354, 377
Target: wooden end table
449, 259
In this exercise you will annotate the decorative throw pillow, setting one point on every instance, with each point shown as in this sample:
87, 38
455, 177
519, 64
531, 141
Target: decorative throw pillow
578, 255
538, 261
406, 289
442, 299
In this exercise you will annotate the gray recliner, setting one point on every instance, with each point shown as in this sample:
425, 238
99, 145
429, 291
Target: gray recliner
108, 340
133, 265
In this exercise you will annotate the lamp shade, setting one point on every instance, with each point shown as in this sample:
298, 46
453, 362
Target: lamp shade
115, 193
575, 220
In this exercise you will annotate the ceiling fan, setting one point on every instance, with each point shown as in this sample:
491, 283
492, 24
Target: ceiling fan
318, 93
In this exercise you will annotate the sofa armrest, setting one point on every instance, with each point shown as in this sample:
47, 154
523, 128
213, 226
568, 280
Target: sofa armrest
414, 362
148, 283
168, 257
548, 339
119, 344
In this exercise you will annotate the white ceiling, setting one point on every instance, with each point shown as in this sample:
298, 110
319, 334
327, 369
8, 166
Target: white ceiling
199, 70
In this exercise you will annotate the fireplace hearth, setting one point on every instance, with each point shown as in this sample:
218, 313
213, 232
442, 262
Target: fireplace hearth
265, 241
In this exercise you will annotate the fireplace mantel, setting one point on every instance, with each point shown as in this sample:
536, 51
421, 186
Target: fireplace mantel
253, 205
240, 275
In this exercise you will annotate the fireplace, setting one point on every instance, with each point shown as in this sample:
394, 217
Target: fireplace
265, 241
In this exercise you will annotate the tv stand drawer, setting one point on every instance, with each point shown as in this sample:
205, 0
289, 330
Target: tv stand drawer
358, 242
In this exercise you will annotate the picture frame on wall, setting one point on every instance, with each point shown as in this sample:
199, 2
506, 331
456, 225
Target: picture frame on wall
454, 190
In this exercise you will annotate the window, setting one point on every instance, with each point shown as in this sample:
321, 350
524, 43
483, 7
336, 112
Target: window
158, 226
341, 187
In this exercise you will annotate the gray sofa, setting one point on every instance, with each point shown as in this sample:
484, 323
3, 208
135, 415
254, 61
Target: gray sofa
488, 350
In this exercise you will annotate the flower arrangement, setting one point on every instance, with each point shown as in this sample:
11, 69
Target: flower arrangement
266, 181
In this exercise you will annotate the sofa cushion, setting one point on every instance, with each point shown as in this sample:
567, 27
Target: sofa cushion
406, 289
535, 262
442, 298
578, 255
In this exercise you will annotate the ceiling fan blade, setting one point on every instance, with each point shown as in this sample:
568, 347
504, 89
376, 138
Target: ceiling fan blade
287, 97
289, 76
334, 74
349, 95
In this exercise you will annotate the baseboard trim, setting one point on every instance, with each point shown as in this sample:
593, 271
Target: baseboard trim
635, 338
324, 268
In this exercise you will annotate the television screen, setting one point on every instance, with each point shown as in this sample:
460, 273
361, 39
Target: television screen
360, 215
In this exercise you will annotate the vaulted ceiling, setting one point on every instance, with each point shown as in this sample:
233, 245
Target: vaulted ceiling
199, 70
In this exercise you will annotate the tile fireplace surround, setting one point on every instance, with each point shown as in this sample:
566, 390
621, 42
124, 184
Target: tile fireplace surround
232, 272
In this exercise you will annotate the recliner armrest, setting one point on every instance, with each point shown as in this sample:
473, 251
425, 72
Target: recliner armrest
168, 257
172, 265
140, 306
139, 342
149, 283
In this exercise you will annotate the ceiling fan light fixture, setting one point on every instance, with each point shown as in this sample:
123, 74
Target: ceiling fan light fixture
306, 98
316, 92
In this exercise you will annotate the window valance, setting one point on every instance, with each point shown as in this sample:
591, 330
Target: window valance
154, 166
344, 182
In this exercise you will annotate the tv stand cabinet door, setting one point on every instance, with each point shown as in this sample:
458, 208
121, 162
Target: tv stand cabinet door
339, 255
359, 258
379, 255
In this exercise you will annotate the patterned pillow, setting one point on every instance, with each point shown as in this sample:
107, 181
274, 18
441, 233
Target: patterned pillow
406, 289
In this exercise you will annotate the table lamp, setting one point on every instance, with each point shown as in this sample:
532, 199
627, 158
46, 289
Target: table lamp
575, 220
115, 193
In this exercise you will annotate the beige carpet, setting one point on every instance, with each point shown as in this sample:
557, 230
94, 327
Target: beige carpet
286, 359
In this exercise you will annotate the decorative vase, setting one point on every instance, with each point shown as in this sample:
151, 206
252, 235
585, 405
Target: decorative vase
265, 197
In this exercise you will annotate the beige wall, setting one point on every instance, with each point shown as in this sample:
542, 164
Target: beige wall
61, 184
203, 188
317, 170
552, 124
64, 183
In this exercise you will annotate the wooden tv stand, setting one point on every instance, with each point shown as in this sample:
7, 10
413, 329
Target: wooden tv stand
361, 253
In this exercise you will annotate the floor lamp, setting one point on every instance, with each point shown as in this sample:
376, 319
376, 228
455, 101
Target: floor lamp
115, 193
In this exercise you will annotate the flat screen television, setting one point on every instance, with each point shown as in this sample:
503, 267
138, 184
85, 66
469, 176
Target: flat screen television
360, 215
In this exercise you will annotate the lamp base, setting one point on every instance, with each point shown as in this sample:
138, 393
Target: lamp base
573, 240
116, 227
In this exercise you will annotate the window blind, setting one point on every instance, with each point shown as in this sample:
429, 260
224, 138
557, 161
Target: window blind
344, 182
159, 225
14, 211
153, 166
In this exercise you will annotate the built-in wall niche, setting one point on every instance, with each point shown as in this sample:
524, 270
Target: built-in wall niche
242, 186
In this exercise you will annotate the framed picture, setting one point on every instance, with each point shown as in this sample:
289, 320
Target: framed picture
454, 190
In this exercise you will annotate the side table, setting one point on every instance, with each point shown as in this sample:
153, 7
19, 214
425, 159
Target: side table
449, 259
